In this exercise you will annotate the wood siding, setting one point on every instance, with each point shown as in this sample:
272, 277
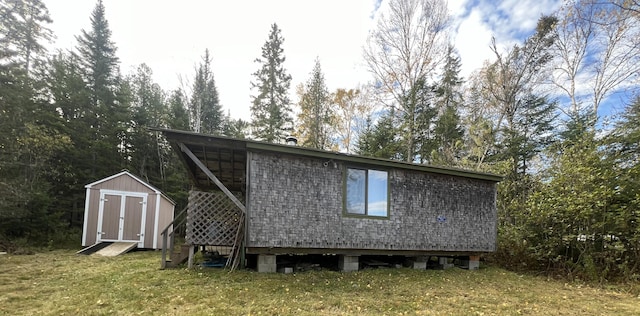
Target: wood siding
125, 183
166, 213
297, 202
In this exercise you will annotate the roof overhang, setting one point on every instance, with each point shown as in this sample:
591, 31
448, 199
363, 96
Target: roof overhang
226, 158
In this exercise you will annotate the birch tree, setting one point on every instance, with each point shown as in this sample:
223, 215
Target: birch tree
598, 53
405, 50
353, 106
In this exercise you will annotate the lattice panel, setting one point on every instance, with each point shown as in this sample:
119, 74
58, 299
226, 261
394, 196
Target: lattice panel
212, 219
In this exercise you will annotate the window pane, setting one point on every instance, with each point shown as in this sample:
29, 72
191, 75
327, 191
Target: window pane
377, 199
355, 191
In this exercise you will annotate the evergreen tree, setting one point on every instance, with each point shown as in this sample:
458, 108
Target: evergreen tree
624, 148
270, 108
403, 53
30, 128
380, 140
204, 107
521, 118
93, 100
71, 168
529, 133
236, 128
144, 154
416, 123
316, 118
448, 127
178, 115
98, 56
627, 132
522, 126
24, 31
107, 113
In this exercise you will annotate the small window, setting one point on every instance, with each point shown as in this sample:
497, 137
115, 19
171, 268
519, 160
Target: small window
366, 192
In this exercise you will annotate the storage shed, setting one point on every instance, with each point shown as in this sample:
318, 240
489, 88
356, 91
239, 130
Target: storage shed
124, 208
266, 199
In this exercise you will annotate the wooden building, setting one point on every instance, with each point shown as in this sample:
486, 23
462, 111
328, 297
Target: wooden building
269, 199
124, 208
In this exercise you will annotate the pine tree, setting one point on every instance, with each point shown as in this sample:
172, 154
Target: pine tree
144, 153
178, 115
72, 167
316, 118
93, 100
270, 108
415, 124
25, 31
380, 140
448, 131
236, 128
204, 107
31, 131
107, 114
98, 56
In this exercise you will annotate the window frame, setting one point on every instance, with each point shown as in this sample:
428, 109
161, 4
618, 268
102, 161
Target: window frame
345, 211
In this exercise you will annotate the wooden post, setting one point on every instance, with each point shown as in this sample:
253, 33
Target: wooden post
192, 249
211, 176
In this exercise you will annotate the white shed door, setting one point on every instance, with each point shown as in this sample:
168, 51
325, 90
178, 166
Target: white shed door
110, 229
121, 216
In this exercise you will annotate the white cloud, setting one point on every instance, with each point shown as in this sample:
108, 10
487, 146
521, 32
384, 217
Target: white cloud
378, 208
472, 41
509, 21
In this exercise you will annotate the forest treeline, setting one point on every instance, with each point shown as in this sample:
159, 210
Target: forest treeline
539, 113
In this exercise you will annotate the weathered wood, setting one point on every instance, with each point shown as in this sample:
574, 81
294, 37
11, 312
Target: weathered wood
192, 251
168, 237
355, 252
213, 178
297, 202
213, 219
116, 248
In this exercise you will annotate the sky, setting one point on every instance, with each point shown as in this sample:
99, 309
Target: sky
171, 37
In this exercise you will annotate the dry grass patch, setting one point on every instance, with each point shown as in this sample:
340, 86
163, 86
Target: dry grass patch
62, 283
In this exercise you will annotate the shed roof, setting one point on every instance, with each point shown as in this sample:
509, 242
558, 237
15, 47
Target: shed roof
225, 157
127, 173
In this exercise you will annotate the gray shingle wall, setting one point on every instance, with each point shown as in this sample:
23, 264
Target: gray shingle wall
297, 202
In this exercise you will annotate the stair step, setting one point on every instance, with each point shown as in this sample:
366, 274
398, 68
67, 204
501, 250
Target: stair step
178, 257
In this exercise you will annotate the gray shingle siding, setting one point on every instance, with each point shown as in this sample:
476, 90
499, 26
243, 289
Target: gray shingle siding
297, 202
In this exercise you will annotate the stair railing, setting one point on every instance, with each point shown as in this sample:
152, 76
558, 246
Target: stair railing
169, 237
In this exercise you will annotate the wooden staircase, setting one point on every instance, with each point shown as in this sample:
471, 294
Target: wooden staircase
178, 256
224, 240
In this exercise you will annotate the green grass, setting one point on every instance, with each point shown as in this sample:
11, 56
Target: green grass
62, 283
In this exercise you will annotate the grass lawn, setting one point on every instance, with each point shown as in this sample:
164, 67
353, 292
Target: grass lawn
62, 283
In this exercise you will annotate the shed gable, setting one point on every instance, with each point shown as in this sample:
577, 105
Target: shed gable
123, 181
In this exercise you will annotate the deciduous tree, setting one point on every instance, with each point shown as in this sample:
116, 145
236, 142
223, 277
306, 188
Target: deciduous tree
598, 53
353, 106
404, 51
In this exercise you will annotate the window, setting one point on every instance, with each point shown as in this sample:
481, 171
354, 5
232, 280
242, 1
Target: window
366, 192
